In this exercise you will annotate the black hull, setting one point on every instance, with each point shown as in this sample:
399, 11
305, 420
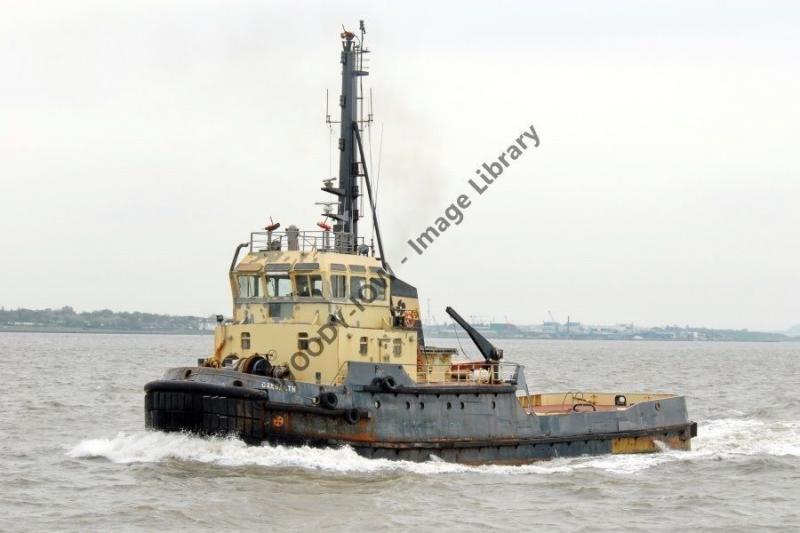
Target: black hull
208, 409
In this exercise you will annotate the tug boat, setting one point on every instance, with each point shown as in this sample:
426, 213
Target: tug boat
326, 348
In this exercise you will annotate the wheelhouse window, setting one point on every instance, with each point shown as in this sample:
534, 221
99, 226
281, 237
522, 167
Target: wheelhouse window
280, 310
377, 289
245, 340
279, 286
308, 285
397, 346
249, 287
362, 348
357, 290
338, 286
367, 290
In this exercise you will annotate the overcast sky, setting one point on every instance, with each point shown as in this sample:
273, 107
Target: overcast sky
140, 141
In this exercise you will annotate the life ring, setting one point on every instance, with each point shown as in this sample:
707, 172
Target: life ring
409, 319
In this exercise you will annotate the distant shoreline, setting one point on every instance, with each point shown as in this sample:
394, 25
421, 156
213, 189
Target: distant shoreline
44, 329
47, 329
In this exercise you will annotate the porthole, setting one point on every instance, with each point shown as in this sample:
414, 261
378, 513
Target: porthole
421, 405
449, 405
462, 405
377, 404
494, 405
237, 383
408, 405
186, 374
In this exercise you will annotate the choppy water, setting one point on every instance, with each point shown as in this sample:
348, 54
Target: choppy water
74, 456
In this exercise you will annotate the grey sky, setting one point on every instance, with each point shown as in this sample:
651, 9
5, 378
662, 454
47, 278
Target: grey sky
140, 141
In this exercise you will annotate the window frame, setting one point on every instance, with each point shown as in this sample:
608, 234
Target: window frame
378, 282
253, 282
344, 286
355, 291
397, 347
279, 277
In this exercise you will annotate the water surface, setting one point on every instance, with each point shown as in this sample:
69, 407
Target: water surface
74, 456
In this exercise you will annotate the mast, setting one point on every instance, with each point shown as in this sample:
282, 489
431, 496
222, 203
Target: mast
351, 167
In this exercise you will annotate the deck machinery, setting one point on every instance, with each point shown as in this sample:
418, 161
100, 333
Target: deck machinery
326, 348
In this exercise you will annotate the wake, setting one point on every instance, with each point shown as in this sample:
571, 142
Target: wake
717, 439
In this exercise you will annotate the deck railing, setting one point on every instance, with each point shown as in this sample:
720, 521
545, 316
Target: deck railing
460, 373
324, 241
466, 372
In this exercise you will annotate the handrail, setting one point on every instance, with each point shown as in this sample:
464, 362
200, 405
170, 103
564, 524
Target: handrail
325, 241
458, 372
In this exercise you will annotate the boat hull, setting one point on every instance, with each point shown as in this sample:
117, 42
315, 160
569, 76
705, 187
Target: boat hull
470, 424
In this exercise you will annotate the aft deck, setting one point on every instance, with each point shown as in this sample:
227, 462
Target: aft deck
559, 403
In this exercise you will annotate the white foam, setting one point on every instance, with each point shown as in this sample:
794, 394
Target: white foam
717, 439
720, 439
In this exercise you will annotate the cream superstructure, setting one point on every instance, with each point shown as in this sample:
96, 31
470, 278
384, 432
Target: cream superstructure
312, 310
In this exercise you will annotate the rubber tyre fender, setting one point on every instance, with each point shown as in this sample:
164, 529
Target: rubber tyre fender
352, 416
328, 400
389, 384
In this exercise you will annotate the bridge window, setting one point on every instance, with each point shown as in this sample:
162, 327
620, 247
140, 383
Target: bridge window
316, 285
367, 290
308, 285
245, 341
397, 347
248, 287
357, 290
280, 310
377, 289
338, 286
279, 286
